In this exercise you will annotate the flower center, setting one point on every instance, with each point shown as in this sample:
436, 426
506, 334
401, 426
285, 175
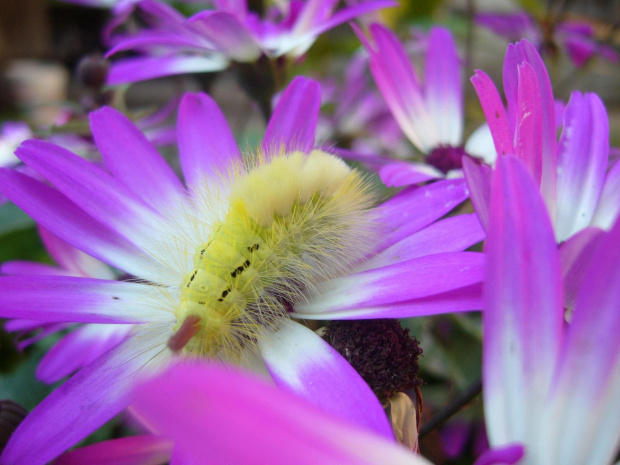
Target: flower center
381, 351
291, 222
446, 158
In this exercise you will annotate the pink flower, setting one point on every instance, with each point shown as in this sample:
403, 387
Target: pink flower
572, 173
551, 387
430, 113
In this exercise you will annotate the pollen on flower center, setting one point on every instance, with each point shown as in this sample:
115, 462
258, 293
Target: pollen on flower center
446, 158
292, 221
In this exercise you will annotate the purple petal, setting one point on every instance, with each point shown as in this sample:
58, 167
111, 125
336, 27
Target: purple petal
478, 177
575, 256
20, 267
452, 234
494, 112
132, 450
401, 174
146, 40
132, 159
207, 147
505, 455
206, 409
62, 217
528, 123
464, 299
523, 313
66, 298
417, 207
582, 161
580, 49
139, 69
302, 362
525, 52
321, 25
425, 276
99, 194
395, 78
608, 209
513, 26
293, 123
588, 371
79, 348
72, 260
444, 88
227, 34
81, 405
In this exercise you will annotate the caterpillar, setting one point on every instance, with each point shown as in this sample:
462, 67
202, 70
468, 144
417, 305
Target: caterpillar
292, 221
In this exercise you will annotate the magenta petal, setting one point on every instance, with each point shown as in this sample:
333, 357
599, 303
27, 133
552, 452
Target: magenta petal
478, 177
452, 234
207, 147
293, 123
582, 162
575, 256
393, 73
444, 88
79, 348
425, 276
504, 455
528, 122
227, 34
401, 174
346, 14
463, 299
90, 187
206, 409
132, 159
79, 406
149, 40
417, 207
66, 298
516, 55
523, 315
302, 362
72, 260
494, 112
608, 209
21, 267
132, 450
142, 68
61, 216
593, 332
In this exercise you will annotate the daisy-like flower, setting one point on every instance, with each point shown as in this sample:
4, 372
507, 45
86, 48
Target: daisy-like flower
86, 342
551, 389
577, 38
211, 39
572, 173
430, 114
223, 264
230, 417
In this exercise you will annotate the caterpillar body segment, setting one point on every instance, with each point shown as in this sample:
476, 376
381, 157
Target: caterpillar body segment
292, 221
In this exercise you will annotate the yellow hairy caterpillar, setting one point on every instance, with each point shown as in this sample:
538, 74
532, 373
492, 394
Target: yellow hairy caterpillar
291, 222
